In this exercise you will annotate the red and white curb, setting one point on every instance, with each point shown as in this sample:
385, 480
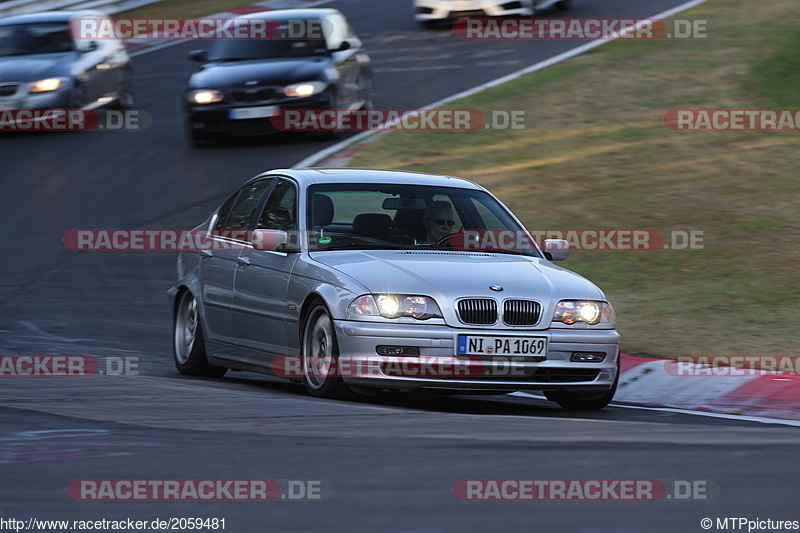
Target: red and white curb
140, 46
663, 383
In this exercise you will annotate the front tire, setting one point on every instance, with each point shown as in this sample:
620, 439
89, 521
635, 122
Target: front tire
333, 135
198, 139
320, 355
188, 343
584, 402
77, 96
125, 94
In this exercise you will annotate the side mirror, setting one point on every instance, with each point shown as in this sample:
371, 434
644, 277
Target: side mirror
273, 240
556, 249
344, 46
91, 46
198, 55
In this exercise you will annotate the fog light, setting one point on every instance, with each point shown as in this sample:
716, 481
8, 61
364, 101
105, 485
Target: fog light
587, 357
397, 350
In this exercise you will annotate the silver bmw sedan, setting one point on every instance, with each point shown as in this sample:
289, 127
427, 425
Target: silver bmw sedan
356, 280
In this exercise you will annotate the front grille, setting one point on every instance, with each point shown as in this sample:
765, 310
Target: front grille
251, 96
541, 375
8, 90
472, 13
252, 126
521, 312
564, 375
477, 311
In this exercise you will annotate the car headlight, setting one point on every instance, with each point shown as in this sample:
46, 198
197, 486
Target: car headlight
305, 89
205, 96
587, 311
46, 85
395, 306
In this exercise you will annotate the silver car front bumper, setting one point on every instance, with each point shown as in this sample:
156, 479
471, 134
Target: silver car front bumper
438, 367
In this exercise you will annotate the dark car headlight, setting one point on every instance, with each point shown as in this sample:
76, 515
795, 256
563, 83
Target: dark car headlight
395, 306
46, 85
586, 311
205, 96
304, 89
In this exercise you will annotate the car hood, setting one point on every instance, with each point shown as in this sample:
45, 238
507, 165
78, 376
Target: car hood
34, 67
271, 72
447, 276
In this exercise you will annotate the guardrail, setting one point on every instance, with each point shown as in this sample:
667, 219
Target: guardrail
19, 7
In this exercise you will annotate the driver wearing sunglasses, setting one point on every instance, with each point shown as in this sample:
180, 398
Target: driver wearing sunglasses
438, 221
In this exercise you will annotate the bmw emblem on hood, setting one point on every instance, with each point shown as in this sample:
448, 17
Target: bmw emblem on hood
496, 288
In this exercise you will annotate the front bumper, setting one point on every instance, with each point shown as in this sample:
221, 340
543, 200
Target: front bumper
213, 120
433, 11
22, 99
439, 367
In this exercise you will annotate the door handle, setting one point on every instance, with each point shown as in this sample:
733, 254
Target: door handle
243, 261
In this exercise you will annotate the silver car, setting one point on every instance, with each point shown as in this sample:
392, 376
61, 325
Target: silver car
357, 279
43, 67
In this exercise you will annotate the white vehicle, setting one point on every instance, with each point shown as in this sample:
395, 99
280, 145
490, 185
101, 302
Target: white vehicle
430, 12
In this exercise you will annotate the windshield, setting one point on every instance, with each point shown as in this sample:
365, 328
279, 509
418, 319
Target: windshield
39, 38
243, 49
377, 216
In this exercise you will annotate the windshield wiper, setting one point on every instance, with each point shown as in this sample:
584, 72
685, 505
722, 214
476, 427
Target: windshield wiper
367, 246
527, 253
479, 250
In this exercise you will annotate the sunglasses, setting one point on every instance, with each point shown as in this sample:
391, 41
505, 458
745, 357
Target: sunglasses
441, 222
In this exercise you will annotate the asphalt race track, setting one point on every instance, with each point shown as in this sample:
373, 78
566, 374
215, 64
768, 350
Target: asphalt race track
387, 463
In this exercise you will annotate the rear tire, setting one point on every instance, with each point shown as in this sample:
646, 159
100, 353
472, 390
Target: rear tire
320, 355
189, 348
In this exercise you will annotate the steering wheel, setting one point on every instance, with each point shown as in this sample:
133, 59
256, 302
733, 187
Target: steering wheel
443, 240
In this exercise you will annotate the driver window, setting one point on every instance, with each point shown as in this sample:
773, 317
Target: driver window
244, 207
280, 210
